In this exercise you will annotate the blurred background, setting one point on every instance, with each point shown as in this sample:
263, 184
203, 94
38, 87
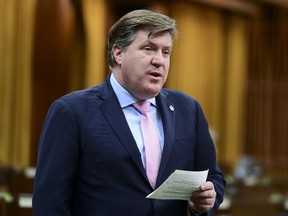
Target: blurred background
231, 55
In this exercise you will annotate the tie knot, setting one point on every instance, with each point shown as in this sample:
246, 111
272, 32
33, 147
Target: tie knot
142, 106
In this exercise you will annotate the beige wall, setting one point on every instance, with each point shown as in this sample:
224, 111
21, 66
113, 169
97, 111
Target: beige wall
208, 63
16, 27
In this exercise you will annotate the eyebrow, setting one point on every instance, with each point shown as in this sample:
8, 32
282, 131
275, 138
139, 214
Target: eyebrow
150, 34
149, 42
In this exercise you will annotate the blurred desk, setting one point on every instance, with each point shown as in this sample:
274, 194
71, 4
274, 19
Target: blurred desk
256, 200
16, 188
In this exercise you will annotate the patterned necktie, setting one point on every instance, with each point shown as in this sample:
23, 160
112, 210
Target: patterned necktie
151, 141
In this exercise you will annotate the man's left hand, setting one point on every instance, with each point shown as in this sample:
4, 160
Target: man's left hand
203, 199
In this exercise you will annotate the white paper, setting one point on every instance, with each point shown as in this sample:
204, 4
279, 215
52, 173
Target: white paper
179, 185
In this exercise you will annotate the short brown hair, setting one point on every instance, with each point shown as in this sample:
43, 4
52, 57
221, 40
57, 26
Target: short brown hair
123, 32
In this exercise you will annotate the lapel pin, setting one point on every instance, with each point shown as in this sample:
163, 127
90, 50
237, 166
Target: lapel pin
171, 108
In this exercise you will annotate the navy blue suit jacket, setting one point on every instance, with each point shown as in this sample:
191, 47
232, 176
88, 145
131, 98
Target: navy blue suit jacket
89, 164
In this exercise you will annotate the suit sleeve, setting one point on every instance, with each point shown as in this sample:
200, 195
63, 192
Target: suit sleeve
57, 165
205, 158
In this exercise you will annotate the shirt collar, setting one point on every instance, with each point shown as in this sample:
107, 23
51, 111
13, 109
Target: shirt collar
124, 97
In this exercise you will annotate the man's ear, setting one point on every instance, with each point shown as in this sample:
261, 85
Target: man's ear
117, 53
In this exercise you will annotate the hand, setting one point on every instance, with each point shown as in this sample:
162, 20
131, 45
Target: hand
203, 199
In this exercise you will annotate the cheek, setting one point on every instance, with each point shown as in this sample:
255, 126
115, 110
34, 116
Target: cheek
166, 68
164, 78
134, 62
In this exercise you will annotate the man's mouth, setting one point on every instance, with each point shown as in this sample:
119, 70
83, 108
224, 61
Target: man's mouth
155, 74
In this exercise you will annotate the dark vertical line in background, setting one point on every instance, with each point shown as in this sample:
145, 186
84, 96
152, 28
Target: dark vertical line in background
51, 61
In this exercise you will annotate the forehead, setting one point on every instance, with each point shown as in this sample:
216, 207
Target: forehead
145, 36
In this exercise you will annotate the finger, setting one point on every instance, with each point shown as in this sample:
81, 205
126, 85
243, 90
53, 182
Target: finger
206, 186
204, 194
199, 207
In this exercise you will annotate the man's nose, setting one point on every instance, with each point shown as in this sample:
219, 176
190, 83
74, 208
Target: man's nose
158, 59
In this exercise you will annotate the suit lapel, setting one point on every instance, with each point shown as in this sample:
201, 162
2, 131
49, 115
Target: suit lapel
112, 111
168, 120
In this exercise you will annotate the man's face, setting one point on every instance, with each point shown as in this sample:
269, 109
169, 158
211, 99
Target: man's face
144, 65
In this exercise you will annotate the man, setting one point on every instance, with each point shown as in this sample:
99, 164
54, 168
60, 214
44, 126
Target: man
93, 159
